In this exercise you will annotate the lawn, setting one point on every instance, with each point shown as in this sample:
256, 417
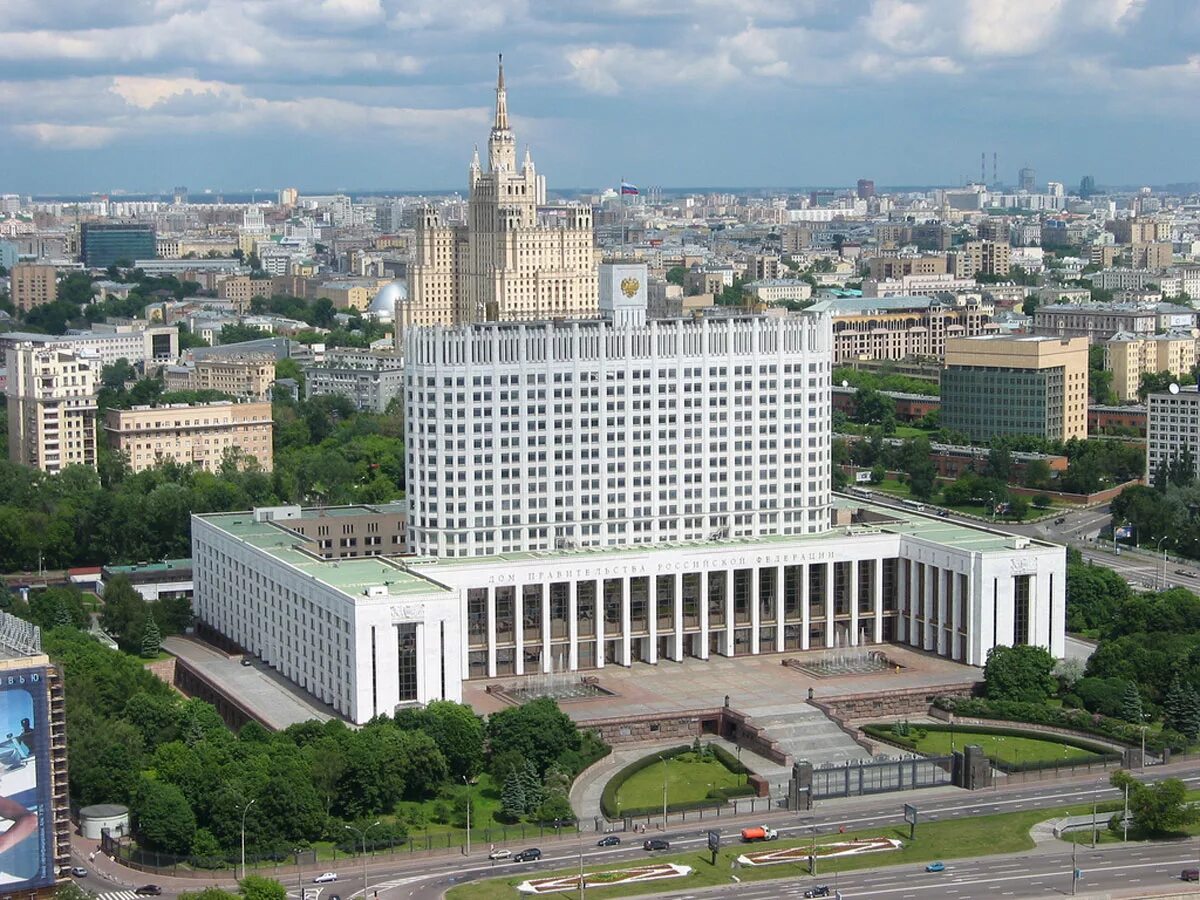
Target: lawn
1003, 747
688, 778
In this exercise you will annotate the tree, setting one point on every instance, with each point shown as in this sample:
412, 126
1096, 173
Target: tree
1189, 724
1131, 704
874, 408
124, 614
1159, 808
531, 787
1021, 673
512, 796
256, 887
538, 730
459, 734
1037, 475
151, 639
676, 274
1175, 707
164, 819
916, 464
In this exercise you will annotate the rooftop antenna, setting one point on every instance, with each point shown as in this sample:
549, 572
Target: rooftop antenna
995, 169
983, 167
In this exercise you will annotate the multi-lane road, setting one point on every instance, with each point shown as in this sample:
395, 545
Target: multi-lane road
1019, 875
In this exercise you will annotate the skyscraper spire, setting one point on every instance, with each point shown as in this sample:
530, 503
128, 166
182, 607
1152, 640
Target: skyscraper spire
502, 146
501, 123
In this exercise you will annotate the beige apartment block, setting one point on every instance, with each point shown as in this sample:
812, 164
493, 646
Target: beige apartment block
32, 285
51, 408
514, 259
198, 435
249, 376
241, 289
980, 258
884, 267
995, 385
1130, 356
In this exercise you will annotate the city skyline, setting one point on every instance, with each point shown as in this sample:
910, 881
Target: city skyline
215, 94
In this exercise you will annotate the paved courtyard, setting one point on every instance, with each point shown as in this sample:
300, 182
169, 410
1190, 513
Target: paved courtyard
753, 683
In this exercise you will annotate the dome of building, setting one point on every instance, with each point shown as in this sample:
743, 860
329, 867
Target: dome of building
383, 307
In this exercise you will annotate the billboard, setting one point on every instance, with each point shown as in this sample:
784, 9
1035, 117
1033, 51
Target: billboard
26, 798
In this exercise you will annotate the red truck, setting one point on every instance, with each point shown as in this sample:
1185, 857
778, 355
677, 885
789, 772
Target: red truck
759, 833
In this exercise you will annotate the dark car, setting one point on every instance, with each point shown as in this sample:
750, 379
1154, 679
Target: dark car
1060, 520
609, 840
527, 855
247, 661
821, 890
148, 890
1190, 875
656, 844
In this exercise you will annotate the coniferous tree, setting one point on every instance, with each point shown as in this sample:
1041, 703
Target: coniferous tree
62, 615
512, 796
1175, 705
1189, 725
531, 785
1131, 703
151, 639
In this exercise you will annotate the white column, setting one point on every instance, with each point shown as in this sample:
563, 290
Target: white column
677, 602
704, 615
830, 577
519, 627
652, 608
547, 638
902, 595
927, 606
626, 625
423, 694
572, 626
491, 632
955, 620
877, 600
853, 603
599, 589
914, 636
755, 612
779, 570
805, 622
729, 616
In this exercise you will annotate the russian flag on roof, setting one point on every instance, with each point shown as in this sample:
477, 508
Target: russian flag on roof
627, 188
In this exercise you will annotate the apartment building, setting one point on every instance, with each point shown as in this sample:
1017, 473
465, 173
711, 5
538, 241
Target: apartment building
138, 343
1130, 356
51, 407
246, 376
901, 327
1172, 427
198, 435
996, 385
980, 258
369, 380
32, 285
882, 268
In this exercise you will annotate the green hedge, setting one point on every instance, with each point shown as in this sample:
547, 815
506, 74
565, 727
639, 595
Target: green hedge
728, 793
728, 760
1038, 714
608, 799
684, 806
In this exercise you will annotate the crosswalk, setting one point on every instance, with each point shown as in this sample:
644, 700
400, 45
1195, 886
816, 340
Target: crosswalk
119, 895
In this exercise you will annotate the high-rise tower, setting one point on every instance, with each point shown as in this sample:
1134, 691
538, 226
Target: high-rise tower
514, 259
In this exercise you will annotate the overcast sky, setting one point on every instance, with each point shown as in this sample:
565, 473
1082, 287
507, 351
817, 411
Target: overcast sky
97, 95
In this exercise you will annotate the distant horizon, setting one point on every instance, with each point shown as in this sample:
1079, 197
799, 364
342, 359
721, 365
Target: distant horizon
260, 194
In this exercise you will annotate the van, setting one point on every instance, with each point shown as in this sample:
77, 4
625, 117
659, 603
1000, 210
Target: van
1190, 875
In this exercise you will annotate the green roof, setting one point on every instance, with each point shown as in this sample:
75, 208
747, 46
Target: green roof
165, 565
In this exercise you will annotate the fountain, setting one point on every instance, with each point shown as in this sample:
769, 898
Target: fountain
848, 656
558, 684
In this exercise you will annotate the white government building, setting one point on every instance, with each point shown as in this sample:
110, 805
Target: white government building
600, 493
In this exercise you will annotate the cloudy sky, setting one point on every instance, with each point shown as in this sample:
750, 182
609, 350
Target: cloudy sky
97, 95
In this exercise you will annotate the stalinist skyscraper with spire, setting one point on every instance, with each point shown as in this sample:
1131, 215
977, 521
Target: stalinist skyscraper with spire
516, 258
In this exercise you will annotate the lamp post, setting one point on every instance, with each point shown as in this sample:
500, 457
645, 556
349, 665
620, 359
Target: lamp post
299, 883
468, 784
1143, 746
664, 762
244, 811
1165, 537
362, 833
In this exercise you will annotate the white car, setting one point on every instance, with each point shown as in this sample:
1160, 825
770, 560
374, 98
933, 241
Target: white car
325, 878
500, 854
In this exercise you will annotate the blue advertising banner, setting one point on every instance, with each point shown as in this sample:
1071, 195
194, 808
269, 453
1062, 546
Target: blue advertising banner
26, 802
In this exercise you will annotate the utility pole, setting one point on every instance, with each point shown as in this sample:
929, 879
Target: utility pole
363, 834
1125, 817
1093, 823
1074, 869
468, 784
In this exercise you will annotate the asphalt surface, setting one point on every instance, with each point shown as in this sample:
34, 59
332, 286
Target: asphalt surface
879, 811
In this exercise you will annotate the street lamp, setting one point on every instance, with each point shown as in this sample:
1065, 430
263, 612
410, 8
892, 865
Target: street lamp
362, 833
468, 784
664, 762
1165, 537
244, 811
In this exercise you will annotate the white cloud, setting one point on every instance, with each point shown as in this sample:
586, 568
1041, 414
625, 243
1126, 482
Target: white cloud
67, 137
1011, 27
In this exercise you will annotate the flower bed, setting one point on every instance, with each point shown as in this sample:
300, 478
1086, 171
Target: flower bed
634, 875
833, 850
